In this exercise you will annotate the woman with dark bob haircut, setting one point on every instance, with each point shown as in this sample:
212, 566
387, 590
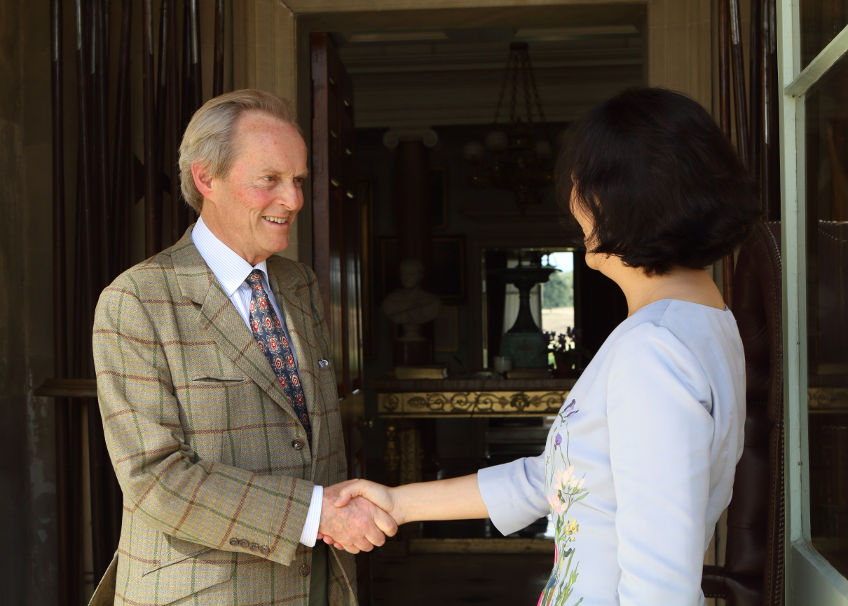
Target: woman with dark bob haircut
639, 462
674, 193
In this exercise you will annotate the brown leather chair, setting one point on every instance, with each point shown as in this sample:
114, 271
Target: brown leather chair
753, 571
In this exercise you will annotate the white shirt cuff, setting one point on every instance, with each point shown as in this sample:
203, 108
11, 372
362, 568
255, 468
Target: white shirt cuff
313, 517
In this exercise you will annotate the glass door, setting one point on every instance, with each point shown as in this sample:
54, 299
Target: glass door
814, 172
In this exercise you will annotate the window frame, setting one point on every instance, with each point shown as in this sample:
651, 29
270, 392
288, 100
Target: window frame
810, 578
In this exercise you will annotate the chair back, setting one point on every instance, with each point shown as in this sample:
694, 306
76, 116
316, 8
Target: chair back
753, 571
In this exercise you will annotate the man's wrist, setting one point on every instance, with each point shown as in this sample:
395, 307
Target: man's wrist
309, 535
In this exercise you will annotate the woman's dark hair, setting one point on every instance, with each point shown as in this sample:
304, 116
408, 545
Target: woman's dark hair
661, 182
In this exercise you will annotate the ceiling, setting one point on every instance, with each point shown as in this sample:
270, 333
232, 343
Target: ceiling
449, 67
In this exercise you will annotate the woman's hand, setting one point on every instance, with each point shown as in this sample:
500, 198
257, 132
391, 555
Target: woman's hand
379, 495
382, 496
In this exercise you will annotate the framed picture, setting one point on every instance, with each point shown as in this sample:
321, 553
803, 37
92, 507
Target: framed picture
446, 329
447, 278
437, 189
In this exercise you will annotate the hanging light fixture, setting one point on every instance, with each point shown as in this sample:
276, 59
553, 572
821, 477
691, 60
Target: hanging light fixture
513, 156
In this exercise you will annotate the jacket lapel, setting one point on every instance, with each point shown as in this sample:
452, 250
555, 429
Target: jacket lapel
219, 318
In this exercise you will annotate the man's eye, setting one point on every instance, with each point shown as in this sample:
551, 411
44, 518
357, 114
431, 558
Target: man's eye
269, 178
299, 181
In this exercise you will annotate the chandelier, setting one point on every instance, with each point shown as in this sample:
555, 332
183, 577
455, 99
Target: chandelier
514, 156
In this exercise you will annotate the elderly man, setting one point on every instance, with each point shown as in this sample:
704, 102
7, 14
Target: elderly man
217, 393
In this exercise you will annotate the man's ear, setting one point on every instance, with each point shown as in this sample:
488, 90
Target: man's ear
202, 179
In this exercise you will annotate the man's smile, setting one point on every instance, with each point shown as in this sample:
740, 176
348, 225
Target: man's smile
278, 220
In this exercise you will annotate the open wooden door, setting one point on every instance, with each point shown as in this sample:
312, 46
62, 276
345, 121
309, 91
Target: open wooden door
336, 210
337, 246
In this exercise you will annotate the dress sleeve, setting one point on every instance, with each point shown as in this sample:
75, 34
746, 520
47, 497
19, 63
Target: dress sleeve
660, 432
514, 493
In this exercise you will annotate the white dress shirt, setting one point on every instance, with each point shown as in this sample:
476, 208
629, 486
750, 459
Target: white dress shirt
232, 271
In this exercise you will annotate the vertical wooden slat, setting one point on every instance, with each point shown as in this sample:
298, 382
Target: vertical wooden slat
64, 521
724, 65
218, 65
771, 164
196, 78
121, 193
174, 121
102, 207
739, 83
59, 281
755, 80
724, 46
192, 89
162, 75
98, 232
162, 105
186, 92
152, 222
84, 169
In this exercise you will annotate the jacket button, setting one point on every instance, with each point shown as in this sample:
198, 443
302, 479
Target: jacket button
304, 570
254, 547
244, 543
298, 444
265, 550
234, 542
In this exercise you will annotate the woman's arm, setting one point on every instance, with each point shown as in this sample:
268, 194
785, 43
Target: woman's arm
453, 499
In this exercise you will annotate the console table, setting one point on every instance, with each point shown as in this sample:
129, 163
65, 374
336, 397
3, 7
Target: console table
429, 398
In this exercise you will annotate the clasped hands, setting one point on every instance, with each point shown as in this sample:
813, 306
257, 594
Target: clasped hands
358, 515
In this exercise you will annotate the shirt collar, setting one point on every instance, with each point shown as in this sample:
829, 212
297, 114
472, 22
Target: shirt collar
230, 268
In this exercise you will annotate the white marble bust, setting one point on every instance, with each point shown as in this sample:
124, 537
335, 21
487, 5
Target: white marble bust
411, 306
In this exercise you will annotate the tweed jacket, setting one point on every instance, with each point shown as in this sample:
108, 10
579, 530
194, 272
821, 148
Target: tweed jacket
215, 468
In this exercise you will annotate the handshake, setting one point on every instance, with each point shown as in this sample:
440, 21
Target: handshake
358, 515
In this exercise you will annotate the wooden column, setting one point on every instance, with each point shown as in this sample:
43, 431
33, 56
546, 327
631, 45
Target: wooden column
412, 214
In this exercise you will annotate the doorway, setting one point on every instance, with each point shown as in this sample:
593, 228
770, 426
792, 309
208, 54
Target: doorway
437, 76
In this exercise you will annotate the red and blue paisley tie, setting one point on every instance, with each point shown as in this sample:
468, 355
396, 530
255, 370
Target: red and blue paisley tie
272, 341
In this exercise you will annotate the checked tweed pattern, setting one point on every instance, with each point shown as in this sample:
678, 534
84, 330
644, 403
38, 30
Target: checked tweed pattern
273, 343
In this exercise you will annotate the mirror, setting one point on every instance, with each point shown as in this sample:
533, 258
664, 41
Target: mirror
528, 305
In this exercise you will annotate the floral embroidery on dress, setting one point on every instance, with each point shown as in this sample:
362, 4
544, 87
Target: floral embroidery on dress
565, 491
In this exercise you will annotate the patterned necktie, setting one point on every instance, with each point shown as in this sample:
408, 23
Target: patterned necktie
273, 343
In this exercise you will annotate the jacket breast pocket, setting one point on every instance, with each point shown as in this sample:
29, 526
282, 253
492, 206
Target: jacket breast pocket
211, 406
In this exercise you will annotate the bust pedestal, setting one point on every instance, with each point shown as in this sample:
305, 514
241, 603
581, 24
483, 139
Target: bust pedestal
412, 352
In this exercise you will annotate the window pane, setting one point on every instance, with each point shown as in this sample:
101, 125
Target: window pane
821, 20
561, 332
827, 308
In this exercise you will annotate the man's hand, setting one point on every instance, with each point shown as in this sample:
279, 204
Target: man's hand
356, 525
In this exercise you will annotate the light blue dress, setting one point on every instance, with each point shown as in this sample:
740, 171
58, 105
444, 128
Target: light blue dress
639, 464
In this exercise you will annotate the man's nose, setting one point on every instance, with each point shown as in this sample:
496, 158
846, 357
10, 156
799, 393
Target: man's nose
290, 195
